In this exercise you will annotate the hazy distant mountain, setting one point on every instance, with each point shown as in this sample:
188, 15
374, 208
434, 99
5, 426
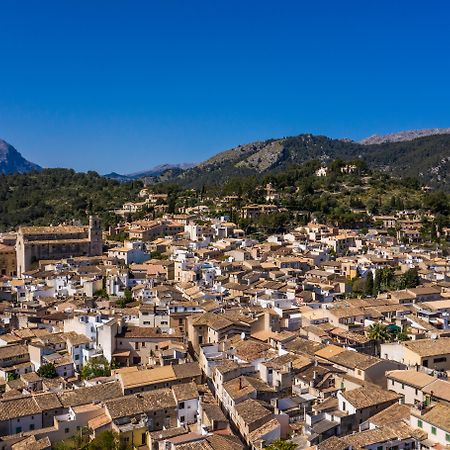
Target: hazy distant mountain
116, 176
150, 173
158, 170
402, 136
11, 161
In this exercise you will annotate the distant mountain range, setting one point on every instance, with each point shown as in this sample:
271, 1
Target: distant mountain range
426, 158
11, 161
402, 136
153, 172
424, 154
405, 152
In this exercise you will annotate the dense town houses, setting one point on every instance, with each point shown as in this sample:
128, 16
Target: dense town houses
188, 334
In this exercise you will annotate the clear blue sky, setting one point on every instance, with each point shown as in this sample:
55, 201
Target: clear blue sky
124, 85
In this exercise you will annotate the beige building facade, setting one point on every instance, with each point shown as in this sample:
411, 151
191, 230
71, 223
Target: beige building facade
41, 243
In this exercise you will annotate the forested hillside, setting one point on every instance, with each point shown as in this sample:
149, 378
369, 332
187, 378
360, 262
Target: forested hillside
426, 158
58, 195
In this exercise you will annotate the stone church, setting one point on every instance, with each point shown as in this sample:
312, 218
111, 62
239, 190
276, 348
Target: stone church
57, 242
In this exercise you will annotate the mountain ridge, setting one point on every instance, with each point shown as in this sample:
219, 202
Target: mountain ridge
402, 136
424, 154
11, 160
426, 158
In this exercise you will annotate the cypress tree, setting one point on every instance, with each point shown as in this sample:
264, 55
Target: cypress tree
377, 282
369, 286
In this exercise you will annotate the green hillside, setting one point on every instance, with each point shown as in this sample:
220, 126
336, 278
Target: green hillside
58, 195
427, 159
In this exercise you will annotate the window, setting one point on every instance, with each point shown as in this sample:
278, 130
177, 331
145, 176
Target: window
182, 419
419, 423
77, 356
440, 359
447, 437
433, 430
181, 405
343, 406
66, 430
392, 382
31, 426
18, 430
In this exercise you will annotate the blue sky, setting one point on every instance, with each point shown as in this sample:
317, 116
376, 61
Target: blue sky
124, 85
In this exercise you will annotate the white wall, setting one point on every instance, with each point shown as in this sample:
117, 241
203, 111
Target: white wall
189, 412
439, 437
410, 393
25, 423
394, 352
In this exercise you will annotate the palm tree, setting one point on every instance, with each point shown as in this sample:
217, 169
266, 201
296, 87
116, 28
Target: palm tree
379, 334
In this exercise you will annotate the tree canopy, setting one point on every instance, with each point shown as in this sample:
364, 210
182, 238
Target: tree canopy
47, 371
